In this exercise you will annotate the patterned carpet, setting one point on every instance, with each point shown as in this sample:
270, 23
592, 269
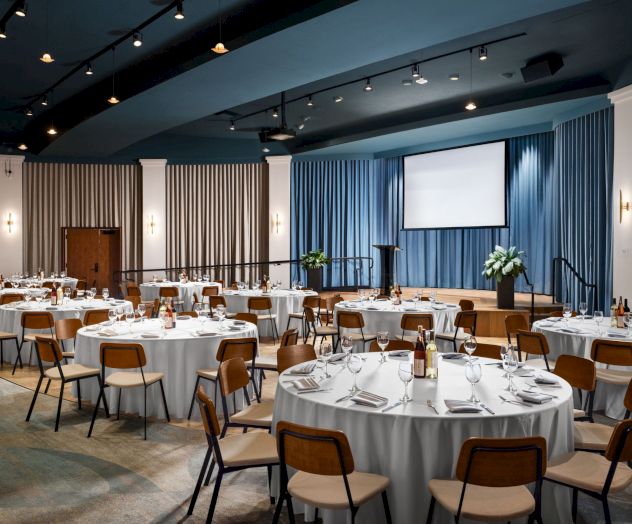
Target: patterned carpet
115, 476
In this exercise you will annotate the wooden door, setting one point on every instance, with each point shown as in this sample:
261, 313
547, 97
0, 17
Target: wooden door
92, 254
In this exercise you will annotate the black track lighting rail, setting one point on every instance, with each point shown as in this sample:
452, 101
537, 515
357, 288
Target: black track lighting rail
384, 73
169, 7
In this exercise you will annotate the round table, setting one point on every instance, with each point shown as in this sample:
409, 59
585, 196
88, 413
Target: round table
11, 315
63, 282
284, 302
575, 337
178, 353
411, 444
151, 291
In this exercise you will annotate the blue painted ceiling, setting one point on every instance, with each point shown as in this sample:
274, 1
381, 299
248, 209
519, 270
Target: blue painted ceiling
186, 114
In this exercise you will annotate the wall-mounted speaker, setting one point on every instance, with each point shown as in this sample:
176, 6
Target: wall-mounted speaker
542, 67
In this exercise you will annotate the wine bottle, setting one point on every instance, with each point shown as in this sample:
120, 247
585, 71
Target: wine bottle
169, 315
620, 314
419, 363
432, 356
53, 295
613, 313
626, 309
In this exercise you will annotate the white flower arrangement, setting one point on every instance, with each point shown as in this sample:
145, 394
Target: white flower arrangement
504, 262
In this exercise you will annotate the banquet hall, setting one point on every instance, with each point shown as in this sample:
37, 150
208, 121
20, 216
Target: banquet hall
323, 261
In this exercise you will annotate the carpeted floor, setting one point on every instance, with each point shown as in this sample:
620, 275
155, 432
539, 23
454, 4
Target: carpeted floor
115, 476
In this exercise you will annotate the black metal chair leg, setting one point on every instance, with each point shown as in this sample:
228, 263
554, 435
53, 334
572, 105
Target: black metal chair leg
430, 510
606, 510
18, 358
211, 509
47, 386
79, 393
197, 383
207, 480
387, 510
290, 509
198, 484
270, 484
105, 402
574, 506
61, 398
96, 408
39, 383
118, 405
315, 515
145, 412
279, 507
164, 400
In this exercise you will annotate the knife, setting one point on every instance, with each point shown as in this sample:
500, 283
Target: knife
486, 408
388, 408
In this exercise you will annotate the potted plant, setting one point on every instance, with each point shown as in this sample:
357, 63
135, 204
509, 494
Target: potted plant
313, 262
504, 265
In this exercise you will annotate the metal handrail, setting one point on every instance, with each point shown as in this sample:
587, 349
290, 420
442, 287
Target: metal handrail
574, 272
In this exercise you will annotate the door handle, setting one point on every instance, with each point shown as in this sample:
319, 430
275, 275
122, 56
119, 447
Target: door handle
96, 267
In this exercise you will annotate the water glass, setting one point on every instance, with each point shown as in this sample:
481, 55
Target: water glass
416, 299
433, 297
66, 295
470, 346
130, 318
567, 311
220, 310
324, 354
627, 320
405, 373
141, 309
583, 308
112, 315
197, 308
93, 291
382, 342
598, 316
347, 345
354, 365
473, 375
362, 295
105, 293
510, 365
299, 285
203, 317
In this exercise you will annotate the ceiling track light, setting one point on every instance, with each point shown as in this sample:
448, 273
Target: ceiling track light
20, 10
482, 53
89, 71
44, 101
138, 39
421, 80
338, 99
454, 76
368, 87
310, 102
415, 71
265, 150
46, 57
220, 48
3, 31
232, 125
470, 106
179, 12
275, 113
28, 112
52, 131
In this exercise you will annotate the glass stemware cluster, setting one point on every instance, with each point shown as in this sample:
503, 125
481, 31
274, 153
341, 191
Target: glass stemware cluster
510, 365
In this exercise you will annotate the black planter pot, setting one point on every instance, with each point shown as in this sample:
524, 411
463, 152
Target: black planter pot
315, 279
505, 293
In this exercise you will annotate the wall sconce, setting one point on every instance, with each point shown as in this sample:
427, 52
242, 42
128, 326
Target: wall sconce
623, 206
276, 223
151, 226
10, 222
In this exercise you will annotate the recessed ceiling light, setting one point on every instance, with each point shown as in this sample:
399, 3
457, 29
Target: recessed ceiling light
265, 150
47, 58
23, 147
368, 87
179, 12
407, 82
138, 39
51, 130
310, 102
454, 76
20, 10
470, 106
338, 99
89, 71
482, 53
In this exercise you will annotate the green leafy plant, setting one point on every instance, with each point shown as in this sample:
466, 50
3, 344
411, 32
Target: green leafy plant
504, 263
314, 259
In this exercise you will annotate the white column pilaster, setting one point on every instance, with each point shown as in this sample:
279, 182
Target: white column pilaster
11, 235
279, 210
154, 214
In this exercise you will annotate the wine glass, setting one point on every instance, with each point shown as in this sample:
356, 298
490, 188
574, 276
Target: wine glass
347, 346
433, 297
627, 320
598, 316
362, 295
510, 365
567, 311
112, 316
93, 292
130, 318
27, 296
354, 365
583, 308
197, 308
324, 354
38, 298
203, 317
294, 284
470, 346
141, 309
62, 275
416, 299
105, 293
382, 341
405, 373
257, 284
372, 296
220, 310
299, 285
473, 375
66, 295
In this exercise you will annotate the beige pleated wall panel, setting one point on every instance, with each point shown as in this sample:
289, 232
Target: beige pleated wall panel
80, 195
217, 214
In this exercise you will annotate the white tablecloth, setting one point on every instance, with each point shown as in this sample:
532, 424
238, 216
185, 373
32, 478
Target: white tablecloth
151, 291
575, 337
178, 355
284, 302
11, 315
64, 282
411, 444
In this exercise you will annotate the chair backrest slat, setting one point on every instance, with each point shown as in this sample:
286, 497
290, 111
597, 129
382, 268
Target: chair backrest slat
233, 375
122, 355
259, 303
289, 356
532, 343
466, 305
37, 320
613, 352
621, 439
350, 319
577, 371
289, 337
484, 350
411, 321
95, 316
513, 324
247, 317
48, 349
169, 292
7, 298
245, 348
66, 328
208, 414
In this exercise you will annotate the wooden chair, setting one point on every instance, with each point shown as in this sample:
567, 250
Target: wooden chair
317, 330
269, 362
47, 350
329, 308
209, 291
560, 313
126, 356
82, 284
492, 475
289, 356
219, 281
312, 302
37, 320
48, 284
245, 348
192, 314
595, 437
66, 329
233, 453
484, 350
513, 324
215, 301
612, 353
95, 316
9, 298
465, 320
325, 475
264, 304
532, 343
594, 474
172, 293
412, 321
133, 290
466, 305
5, 336
581, 374
393, 345
352, 320
233, 377
246, 317
134, 299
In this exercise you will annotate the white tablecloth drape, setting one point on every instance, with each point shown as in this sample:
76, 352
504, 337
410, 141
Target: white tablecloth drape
284, 302
11, 315
411, 444
179, 354
575, 337
151, 291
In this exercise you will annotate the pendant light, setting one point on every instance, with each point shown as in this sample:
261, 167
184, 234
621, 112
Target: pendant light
470, 106
219, 48
3, 31
23, 147
46, 57
113, 99
89, 71
179, 12
20, 10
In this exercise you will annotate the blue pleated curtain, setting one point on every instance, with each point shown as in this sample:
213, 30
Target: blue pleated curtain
559, 204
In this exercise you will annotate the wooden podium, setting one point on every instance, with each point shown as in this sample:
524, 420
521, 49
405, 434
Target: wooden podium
387, 262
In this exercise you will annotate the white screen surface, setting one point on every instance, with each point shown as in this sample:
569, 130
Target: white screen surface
455, 188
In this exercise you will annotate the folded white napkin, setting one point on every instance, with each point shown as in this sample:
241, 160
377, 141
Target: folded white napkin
239, 322
545, 378
533, 397
306, 384
615, 333
462, 406
365, 398
399, 353
303, 369
438, 307
452, 356
569, 329
337, 357
203, 333
554, 319
107, 333
150, 334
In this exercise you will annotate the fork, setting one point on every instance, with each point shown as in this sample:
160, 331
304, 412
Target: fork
516, 402
432, 406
